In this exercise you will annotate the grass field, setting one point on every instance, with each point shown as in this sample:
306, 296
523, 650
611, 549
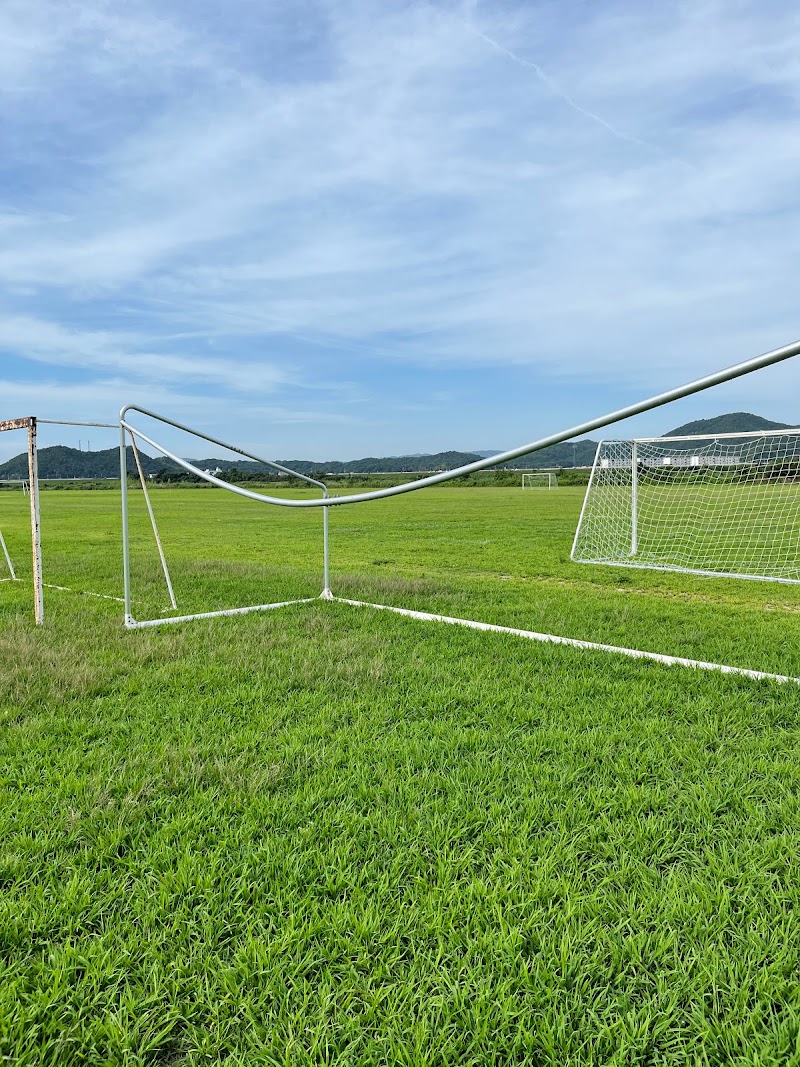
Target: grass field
332, 835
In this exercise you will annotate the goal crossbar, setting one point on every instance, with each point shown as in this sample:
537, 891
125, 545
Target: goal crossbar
699, 385
716, 436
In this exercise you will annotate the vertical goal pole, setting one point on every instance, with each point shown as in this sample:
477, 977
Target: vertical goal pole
36, 525
126, 548
326, 564
634, 498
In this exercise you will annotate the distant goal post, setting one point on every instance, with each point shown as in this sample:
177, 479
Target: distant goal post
540, 480
725, 505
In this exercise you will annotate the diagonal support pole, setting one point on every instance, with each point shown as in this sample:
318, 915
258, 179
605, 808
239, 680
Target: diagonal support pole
153, 523
8, 557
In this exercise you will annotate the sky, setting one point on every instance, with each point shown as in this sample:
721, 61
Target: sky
326, 229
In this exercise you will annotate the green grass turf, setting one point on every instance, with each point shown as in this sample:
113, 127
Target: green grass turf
331, 835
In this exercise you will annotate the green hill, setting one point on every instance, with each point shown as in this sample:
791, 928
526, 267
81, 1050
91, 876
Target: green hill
439, 461
58, 461
578, 454
733, 422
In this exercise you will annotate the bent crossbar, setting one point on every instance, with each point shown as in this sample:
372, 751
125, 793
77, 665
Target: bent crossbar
697, 386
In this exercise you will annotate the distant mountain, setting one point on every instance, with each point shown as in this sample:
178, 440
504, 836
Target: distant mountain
58, 461
733, 422
484, 453
439, 461
569, 454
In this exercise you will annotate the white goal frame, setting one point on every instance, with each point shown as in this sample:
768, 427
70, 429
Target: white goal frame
621, 468
539, 480
325, 501
30, 424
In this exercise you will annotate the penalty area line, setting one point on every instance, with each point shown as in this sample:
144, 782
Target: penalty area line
82, 592
573, 642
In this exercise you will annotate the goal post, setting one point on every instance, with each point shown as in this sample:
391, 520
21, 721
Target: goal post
540, 480
725, 505
29, 424
31, 488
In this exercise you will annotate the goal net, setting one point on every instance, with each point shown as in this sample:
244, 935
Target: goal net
542, 480
723, 506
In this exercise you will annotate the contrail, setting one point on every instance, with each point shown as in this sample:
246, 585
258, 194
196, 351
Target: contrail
556, 89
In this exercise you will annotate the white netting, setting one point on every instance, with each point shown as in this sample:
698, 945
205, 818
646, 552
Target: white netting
728, 506
539, 481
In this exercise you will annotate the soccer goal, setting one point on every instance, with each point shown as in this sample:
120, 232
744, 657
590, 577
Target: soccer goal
727, 505
66, 552
540, 480
688, 477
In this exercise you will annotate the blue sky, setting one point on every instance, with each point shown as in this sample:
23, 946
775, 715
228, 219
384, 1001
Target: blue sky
335, 229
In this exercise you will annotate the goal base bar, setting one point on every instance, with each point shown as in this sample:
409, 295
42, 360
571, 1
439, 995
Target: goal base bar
134, 624
472, 624
674, 569
573, 642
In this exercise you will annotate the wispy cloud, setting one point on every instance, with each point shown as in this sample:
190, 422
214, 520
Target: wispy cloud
490, 199
87, 350
558, 90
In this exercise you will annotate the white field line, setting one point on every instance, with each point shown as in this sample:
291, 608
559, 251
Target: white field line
82, 592
553, 639
133, 624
